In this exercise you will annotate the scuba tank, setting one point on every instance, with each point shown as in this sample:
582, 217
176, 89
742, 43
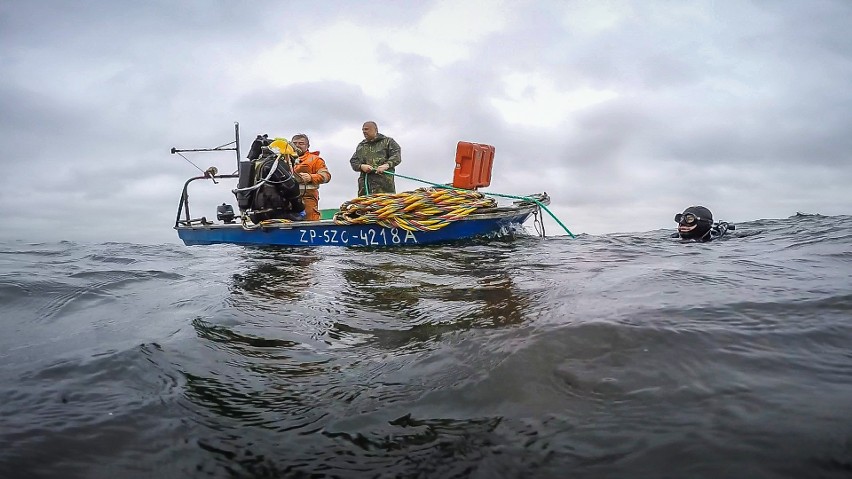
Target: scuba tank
244, 196
267, 187
245, 170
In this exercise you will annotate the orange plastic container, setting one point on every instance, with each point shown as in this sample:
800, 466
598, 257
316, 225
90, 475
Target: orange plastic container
473, 165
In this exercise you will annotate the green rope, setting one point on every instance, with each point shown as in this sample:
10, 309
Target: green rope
523, 198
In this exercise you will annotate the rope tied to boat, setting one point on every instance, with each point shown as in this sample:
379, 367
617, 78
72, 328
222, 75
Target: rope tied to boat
424, 209
521, 198
248, 225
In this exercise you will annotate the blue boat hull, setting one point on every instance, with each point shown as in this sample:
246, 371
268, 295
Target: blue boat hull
326, 233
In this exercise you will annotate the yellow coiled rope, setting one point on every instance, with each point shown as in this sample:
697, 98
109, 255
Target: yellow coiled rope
247, 225
424, 209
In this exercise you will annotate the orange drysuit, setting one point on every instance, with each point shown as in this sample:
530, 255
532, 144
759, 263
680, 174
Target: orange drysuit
311, 163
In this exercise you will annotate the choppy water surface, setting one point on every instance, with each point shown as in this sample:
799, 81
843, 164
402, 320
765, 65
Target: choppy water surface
628, 355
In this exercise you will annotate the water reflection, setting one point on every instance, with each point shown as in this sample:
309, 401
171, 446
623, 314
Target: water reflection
277, 273
431, 437
391, 298
409, 296
256, 379
263, 365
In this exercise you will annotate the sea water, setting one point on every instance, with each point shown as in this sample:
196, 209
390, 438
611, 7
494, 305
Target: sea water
622, 355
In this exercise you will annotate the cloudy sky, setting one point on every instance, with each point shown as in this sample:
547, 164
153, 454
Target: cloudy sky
624, 112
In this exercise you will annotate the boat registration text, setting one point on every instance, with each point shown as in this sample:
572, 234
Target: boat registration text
361, 237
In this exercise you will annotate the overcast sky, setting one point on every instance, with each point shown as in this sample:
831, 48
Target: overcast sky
625, 112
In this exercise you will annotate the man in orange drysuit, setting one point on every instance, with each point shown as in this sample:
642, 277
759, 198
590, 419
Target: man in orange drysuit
310, 172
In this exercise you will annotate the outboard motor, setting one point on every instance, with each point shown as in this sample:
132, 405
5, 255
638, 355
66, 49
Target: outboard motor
225, 212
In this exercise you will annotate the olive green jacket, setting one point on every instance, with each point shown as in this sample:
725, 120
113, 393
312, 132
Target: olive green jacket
383, 149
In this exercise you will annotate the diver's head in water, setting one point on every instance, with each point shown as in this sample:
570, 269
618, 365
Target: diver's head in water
694, 223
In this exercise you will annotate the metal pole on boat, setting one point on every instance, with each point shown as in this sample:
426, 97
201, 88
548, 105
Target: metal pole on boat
237, 135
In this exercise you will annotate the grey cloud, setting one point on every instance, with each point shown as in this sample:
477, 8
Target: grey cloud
323, 105
743, 106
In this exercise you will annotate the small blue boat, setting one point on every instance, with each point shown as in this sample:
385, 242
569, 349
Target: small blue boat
425, 216
501, 221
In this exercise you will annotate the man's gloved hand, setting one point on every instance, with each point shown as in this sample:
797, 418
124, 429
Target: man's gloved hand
382, 168
366, 168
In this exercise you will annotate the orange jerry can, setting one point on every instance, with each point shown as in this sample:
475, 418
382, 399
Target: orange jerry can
473, 165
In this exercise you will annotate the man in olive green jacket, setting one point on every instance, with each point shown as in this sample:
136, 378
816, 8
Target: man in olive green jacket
373, 156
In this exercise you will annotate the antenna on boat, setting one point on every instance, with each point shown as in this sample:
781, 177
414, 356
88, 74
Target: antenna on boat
235, 148
237, 142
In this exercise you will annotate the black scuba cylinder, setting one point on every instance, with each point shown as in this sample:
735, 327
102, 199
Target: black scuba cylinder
246, 172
